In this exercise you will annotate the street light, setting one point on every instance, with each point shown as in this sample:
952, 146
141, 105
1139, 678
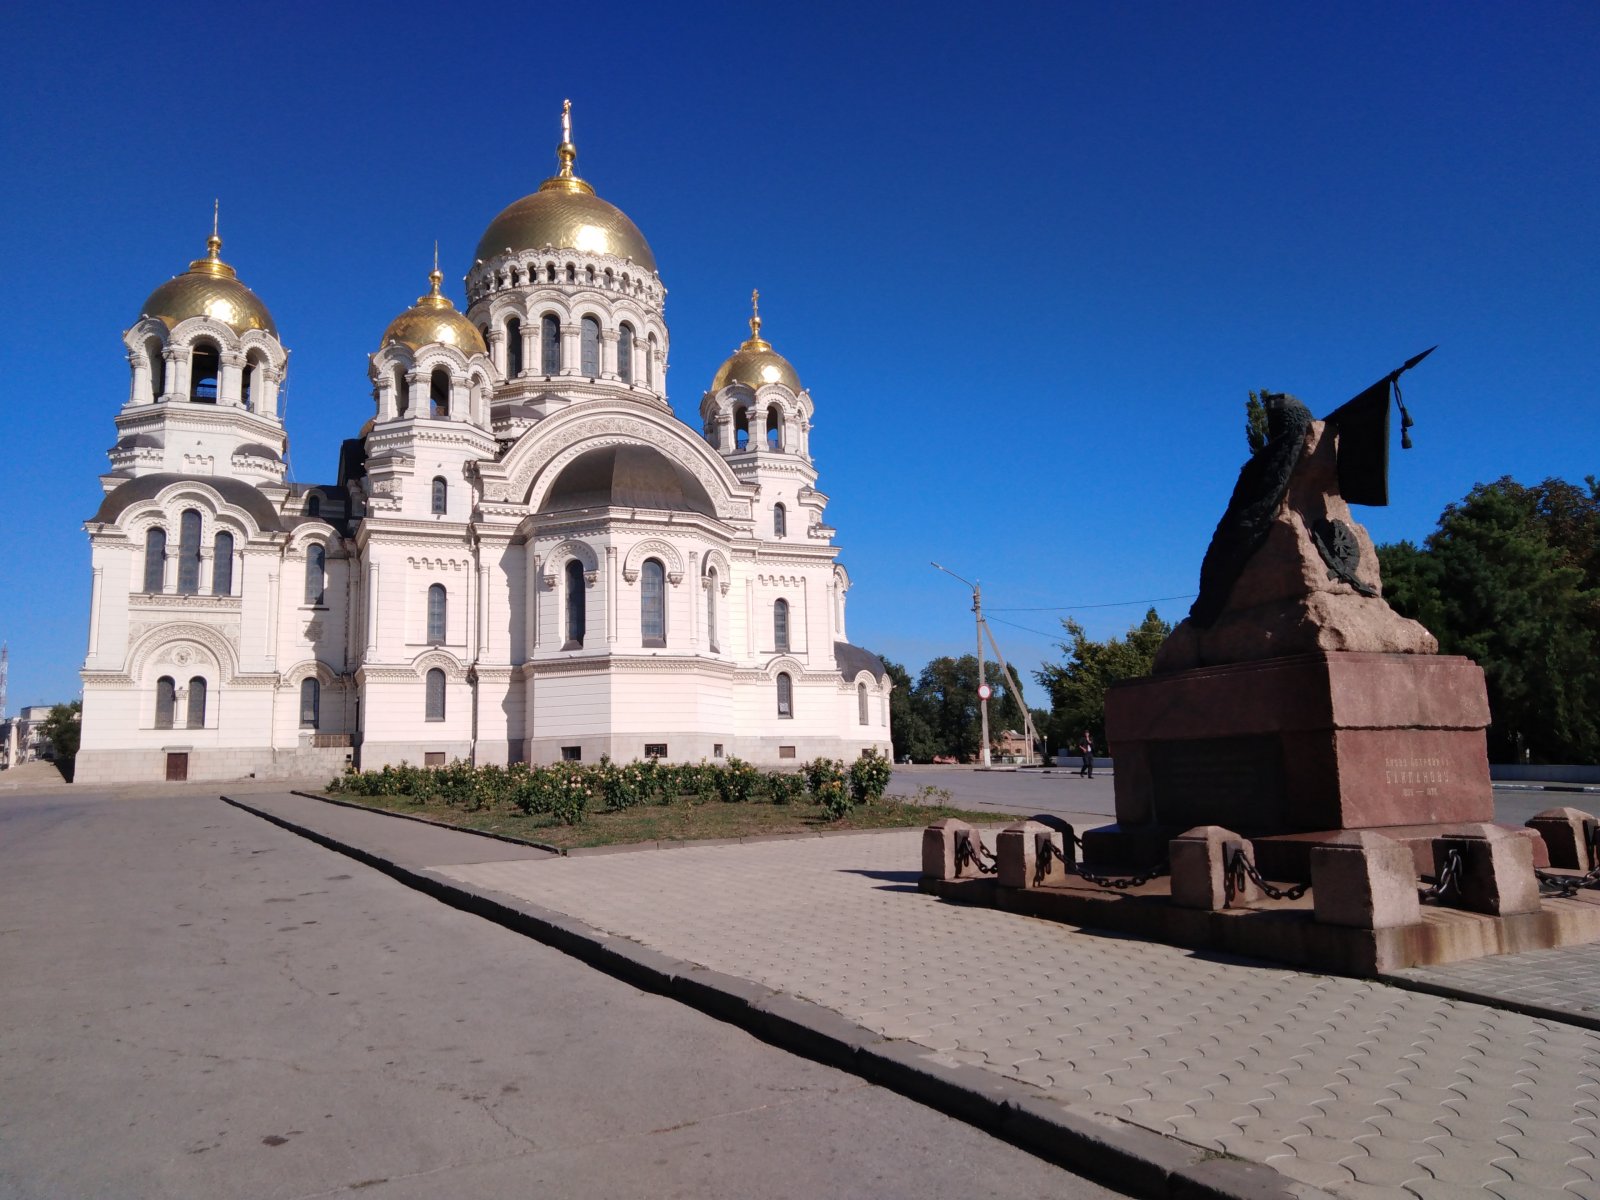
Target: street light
983, 688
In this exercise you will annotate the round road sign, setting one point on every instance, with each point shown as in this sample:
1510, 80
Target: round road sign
984, 691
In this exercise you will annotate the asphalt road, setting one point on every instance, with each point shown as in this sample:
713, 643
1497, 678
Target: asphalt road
194, 1003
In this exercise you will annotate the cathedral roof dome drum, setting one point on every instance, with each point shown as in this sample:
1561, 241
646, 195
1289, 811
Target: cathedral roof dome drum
755, 363
433, 319
209, 288
565, 214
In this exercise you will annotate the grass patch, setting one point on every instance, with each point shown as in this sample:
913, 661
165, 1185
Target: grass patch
685, 819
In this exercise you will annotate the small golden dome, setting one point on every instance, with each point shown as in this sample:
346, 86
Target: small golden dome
755, 363
434, 319
210, 288
566, 214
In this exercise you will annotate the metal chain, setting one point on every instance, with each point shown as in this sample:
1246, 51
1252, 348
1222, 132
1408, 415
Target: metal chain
970, 850
1568, 886
1133, 881
1449, 879
1241, 871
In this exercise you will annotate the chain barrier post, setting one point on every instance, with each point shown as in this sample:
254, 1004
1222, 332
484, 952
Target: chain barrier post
1203, 869
1364, 880
1495, 874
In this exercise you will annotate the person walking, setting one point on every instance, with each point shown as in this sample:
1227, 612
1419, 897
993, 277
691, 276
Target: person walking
1086, 748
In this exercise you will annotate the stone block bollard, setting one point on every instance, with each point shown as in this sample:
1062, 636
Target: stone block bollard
1199, 861
1364, 880
1019, 851
1496, 870
939, 850
1567, 834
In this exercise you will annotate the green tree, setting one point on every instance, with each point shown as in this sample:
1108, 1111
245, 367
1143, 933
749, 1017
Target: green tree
909, 730
62, 727
947, 695
1255, 421
1078, 685
1511, 579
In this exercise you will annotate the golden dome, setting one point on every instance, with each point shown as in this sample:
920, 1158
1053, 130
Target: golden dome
210, 288
755, 363
434, 319
566, 214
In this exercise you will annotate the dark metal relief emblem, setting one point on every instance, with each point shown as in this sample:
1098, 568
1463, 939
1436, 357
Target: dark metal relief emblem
1337, 544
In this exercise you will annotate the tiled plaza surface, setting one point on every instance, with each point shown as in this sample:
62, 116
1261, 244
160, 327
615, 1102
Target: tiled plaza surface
1360, 1088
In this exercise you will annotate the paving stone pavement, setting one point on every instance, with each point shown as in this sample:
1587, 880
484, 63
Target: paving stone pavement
1363, 1089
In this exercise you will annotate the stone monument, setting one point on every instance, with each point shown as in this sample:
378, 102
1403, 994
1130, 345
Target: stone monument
1294, 704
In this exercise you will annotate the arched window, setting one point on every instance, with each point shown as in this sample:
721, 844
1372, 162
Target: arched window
780, 625
780, 521
625, 353
248, 382
650, 361
513, 347
774, 428
550, 272
741, 428
197, 703
166, 701
576, 613
653, 602
590, 347
436, 609
310, 700
402, 392
785, 695
222, 565
205, 362
314, 504
316, 573
189, 553
572, 273
434, 701
441, 492
158, 368
439, 393
588, 276
155, 559
711, 609
861, 703
550, 343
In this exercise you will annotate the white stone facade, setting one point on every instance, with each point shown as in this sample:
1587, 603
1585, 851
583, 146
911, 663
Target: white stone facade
525, 556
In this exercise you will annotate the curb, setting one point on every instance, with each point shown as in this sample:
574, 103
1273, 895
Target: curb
1127, 1157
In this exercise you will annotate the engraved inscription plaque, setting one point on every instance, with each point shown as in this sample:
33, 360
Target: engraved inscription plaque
1235, 782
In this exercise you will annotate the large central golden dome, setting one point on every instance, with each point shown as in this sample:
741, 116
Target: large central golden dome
209, 288
566, 214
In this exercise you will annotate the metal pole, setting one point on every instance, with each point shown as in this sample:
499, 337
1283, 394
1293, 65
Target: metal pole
983, 704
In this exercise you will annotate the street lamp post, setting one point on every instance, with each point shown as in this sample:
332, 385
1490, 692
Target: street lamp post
983, 701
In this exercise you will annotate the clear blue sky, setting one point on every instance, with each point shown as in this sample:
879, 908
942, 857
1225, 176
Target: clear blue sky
1028, 259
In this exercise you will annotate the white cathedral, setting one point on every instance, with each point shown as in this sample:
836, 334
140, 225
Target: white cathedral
525, 555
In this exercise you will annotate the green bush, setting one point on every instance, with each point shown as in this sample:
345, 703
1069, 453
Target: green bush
834, 798
785, 787
626, 786
737, 781
820, 771
869, 777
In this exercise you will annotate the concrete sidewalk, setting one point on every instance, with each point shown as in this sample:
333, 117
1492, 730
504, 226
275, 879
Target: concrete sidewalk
1086, 1045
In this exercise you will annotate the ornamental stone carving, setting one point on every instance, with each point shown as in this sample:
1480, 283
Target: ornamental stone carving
653, 548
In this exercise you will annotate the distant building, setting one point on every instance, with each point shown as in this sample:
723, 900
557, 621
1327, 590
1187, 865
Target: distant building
20, 738
525, 556
1011, 746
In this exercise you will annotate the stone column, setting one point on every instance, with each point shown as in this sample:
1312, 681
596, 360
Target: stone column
531, 349
611, 593
271, 652
695, 583
571, 356
725, 441
94, 613
372, 608
497, 346
530, 602
608, 354
230, 379
750, 617
758, 427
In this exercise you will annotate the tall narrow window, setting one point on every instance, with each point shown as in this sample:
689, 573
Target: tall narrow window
785, 695
625, 353
158, 368
249, 383
861, 703
653, 603
550, 343
205, 361
155, 559
780, 521
434, 699
741, 428
402, 393
316, 573
436, 610
189, 553
780, 625
576, 615
314, 504
711, 609
222, 565
310, 699
650, 361
166, 701
439, 393
197, 703
513, 347
774, 428
590, 346
441, 492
